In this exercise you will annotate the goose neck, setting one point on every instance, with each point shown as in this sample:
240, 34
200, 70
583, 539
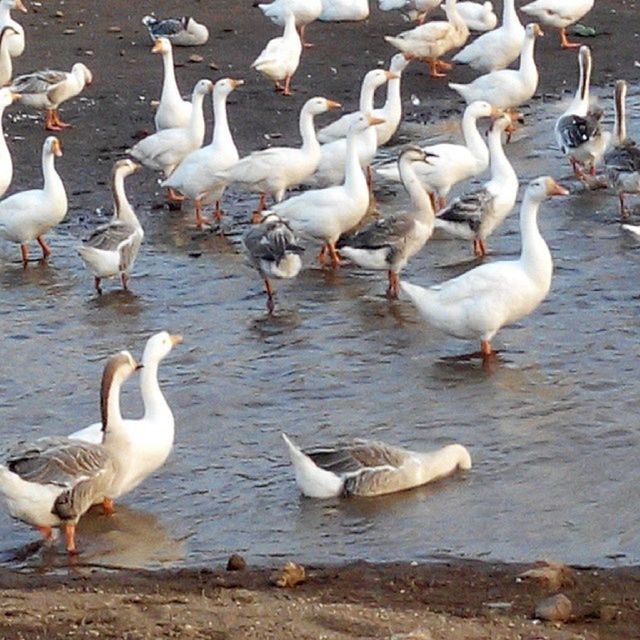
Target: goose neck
110, 406
52, 180
310, 142
196, 122
420, 202
153, 399
527, 62
290, 27
393, 103
534, 254
367, 94
500, 166
453, 15
169, 84
473, 138
121, 207
620, 124
509, 15
354, 179
221, 133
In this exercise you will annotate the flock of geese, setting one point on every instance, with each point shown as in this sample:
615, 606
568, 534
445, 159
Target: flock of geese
51, 482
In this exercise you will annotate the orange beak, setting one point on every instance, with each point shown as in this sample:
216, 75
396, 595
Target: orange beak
157, 47
538, 30
391, 76
20, 6
554, 189
373, 120
175, 340
56, 148
236, 83
332, 104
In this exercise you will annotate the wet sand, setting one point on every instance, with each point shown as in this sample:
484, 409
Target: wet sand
450, 600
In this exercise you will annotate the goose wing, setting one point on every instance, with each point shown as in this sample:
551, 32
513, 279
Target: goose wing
382, 233
574, 130
38, 81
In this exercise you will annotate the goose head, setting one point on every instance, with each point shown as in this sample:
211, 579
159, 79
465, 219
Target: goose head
225, 86
482, 109
377, 77
399, 62
202, 87
52, 146
363, 122
161, 45
413, 153
320, 105
124, 167
545, 187
82, 72
159, 346
533, 30
117, 370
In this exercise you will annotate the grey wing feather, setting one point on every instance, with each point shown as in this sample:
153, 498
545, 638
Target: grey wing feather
357, 456
382, 233
271, 241
166, 27
38, 81
58, 461
625, 157
576, 130
109, 236
468, 209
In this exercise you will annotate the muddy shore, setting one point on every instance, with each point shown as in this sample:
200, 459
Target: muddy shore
432, 602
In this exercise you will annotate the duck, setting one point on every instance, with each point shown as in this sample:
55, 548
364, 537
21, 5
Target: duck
51, 482
274, 250
16, 40
274, 170
450, 163
113, 247
172, 110
48, 89
478, 16
344, 10
498, 48
476, 215
305, 12
166, 149
195, 177
417, 10
577, 130
279, 60
478, 303
325, 214
507, 88
141, 445
6, 65
390, 242
622, 161
559, 14
430, 41
28, 215
183, 32
370, 468
391, 112
333, 154
7, 97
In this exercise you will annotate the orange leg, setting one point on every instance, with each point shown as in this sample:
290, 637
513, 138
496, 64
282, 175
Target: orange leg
47, 532
218, 213
305, 44
322, 255
70, 537
624, 210
269, 290
124, 279
442, 202
58, 122
433, 65
173, 195
479, 248
432, 198
394, 286
50, 122
335, 256
256, 218
46, 252
108, 507
200, 219
96, 284
287, 87
564, 42
485, 348
24, 252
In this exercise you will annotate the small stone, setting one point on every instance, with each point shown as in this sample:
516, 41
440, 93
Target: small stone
59, 14
608, 613
69, 32
89, 52
555, 608
195, 58
289, 576
236, 562
243, 596
114, 30
214, 66
551, 575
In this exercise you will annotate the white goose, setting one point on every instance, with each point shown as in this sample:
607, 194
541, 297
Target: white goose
453, 163
48, 89
279, 60
478, 16
195, 176
476, 215
274, 250
6, 65
429, 42
559, 14
578, 130
143, 445
507, 88
172, 111
16, 40
325, 214
344, 10
166, 149
52, 482
476, 304
113, 247
6, 164
391, 112
272, 171
413, 9
370, 468
498, 48
183, 32
28, 215
623, 160
305, 12
390, 242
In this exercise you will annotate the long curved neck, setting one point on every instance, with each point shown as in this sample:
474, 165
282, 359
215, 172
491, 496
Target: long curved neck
153, 399
290, 27
366, 97
580, 102
110, 407
473, 138
5, 13
500, 166
453, 15
169, 84
4, 52
310, 142
420, 202
509, 15
121, 207
52, 180
196, 122
620, 125
527, 63
534, 255
353, 175
221, 133
393, 103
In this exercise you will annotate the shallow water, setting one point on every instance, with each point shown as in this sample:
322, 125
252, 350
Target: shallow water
552, 429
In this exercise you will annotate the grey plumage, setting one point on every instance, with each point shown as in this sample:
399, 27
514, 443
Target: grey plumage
165, 27
469, 209
574, 131
271, 241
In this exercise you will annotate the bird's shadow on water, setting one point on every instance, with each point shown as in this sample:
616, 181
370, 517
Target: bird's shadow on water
129, 538
124, 301
471, 362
